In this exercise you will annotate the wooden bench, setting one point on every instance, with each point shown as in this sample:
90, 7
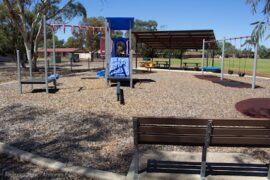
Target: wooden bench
201, 132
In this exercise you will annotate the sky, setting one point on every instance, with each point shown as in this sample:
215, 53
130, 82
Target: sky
228, 18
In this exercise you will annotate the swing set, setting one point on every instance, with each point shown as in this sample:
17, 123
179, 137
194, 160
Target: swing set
48, 78
235, 49
241, 51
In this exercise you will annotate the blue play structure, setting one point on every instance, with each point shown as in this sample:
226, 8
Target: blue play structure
125, 44
119, 66
53, 77
213, 69
101, 73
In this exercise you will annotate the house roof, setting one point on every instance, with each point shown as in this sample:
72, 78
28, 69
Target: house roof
187, 39
60, 50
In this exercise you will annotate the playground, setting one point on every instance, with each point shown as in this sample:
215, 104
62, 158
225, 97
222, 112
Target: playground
85, 112
91, 116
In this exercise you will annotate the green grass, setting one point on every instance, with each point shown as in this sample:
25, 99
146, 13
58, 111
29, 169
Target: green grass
263, 67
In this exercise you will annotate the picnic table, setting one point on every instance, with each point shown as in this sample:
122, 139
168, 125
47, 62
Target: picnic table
196, 67
164, 63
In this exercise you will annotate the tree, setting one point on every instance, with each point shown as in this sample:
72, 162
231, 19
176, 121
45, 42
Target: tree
261, 26
26, 17
9, 39
140, 25
264, 52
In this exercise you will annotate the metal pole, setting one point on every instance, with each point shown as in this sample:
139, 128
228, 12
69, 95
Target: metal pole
203, 48
30, 67
222, 60
130, 58
107, 49
89, 63
54, 60
71, 59
45, 53
136, 54
19, 71
255, 66
170, 54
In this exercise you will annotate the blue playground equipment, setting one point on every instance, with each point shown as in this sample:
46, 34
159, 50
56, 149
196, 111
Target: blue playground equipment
53, 77
101, 73
213, 69
118, 58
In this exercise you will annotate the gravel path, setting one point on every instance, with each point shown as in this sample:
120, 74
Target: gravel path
83, 124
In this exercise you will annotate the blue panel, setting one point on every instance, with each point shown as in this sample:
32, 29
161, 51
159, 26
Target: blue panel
119, 67
118, 23
212, 69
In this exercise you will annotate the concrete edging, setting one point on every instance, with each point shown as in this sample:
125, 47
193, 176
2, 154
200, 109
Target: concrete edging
56, 165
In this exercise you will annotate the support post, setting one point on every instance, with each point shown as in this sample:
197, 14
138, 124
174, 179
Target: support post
222, 60
213, 57
89, 62
203, 49
71, 62
170, 56
107, 51
130, 58
181, 60
255, 66
118, 91
136, 149
19, 71
54, 60
136, 54
205, 147
30, 67
45, 53
268, 175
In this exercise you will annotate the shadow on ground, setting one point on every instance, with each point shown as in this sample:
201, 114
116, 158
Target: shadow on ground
255, 107
98, 141
225, 82
136, 81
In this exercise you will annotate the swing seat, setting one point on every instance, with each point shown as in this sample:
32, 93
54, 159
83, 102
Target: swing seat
241, 74
230, 71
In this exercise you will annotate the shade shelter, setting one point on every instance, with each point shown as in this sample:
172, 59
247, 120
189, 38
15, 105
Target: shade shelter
174, 40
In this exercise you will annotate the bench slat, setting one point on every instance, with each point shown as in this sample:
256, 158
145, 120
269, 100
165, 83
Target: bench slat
172, 121
230, 131
172, 130
199, 140
241, 141
180, 130
216, 122
171, 140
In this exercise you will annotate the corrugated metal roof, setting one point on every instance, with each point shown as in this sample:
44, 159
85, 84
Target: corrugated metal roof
187, 39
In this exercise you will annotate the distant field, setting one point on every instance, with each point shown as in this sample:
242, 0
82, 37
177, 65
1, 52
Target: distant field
263, 67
